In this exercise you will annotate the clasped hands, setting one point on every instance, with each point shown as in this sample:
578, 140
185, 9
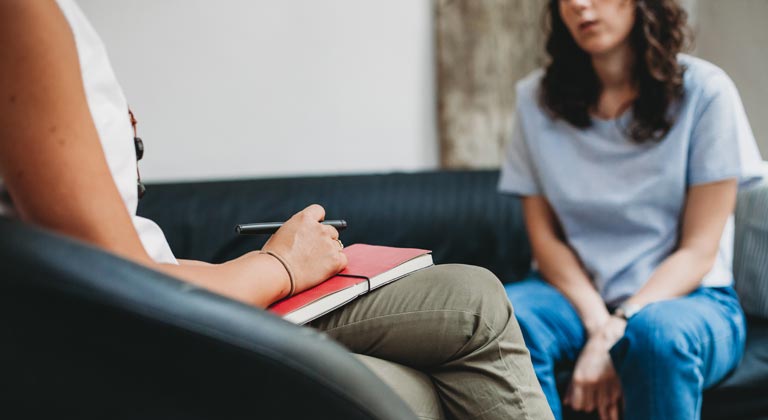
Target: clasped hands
595, 384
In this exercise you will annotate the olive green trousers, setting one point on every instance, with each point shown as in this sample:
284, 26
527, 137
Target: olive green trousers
446, 340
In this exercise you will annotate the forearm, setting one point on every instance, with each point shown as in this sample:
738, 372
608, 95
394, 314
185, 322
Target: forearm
707, 209
559, 264
255, 279
561, 268
193, 262
680, 274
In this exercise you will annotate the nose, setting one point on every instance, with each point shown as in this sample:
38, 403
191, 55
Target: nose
579, 5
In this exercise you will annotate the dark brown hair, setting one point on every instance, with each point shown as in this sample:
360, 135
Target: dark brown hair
570, 87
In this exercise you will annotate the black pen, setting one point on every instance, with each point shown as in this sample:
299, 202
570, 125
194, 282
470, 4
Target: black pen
272, 227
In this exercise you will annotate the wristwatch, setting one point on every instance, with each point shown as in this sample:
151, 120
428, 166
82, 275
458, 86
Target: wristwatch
627, 310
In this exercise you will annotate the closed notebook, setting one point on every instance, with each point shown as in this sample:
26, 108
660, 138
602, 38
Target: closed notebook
369, 267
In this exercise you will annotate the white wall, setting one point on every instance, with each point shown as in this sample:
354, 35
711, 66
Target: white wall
241, 88
734, 35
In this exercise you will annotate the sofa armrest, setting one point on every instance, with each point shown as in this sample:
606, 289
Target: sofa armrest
87, 334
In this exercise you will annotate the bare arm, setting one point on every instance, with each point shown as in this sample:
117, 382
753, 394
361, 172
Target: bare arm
559, 264
55, 170
594, 383
707, 209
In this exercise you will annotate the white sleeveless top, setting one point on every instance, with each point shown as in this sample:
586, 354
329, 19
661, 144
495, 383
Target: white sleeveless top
109, 111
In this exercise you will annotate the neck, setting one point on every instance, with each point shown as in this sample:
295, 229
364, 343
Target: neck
614, 68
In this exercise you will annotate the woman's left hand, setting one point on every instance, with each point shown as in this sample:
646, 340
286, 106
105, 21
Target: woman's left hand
595, 384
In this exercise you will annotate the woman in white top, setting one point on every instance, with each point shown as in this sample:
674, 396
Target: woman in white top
68, 164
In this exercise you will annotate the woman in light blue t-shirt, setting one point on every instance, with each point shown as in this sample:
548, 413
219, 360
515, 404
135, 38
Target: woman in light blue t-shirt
628, 156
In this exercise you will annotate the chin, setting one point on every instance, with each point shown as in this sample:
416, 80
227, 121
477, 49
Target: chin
597, 46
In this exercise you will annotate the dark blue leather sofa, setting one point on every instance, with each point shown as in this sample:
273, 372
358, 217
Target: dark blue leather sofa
86, 331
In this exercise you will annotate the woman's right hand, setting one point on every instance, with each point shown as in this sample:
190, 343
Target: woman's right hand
310, 249
595, 384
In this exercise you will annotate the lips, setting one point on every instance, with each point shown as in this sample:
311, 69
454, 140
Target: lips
587, 25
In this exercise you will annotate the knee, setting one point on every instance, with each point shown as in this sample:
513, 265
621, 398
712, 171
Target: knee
655, 340
478, 291
534, 297
471, 281
534, 301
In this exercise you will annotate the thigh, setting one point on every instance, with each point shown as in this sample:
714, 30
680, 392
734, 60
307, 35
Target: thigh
422, 320
549, 322
707, 325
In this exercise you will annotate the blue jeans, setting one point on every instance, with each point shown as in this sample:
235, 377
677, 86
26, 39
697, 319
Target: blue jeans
670, 353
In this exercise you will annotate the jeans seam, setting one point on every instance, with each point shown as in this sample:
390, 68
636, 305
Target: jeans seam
654, 380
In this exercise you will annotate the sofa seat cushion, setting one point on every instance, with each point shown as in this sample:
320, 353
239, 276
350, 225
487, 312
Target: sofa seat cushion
744, 393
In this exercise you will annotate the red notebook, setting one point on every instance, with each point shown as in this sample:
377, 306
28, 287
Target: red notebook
369, 267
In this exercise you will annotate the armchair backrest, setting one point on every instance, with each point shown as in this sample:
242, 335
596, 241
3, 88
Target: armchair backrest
86, 334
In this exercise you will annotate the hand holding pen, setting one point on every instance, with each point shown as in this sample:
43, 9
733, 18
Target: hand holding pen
308, 251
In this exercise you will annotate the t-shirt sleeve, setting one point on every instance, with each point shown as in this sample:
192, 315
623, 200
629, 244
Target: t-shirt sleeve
517, 172
722, 143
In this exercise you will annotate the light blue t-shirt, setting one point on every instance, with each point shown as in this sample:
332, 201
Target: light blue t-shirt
620, 203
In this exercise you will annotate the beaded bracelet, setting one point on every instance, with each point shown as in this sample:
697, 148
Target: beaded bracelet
288, 269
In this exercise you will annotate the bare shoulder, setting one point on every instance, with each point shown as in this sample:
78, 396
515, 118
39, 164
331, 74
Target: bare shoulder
31, 16
39, 75
37, 45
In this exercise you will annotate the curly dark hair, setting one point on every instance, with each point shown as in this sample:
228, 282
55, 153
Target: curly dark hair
570, 87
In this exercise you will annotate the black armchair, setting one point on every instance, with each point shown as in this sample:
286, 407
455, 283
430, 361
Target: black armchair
86, 334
